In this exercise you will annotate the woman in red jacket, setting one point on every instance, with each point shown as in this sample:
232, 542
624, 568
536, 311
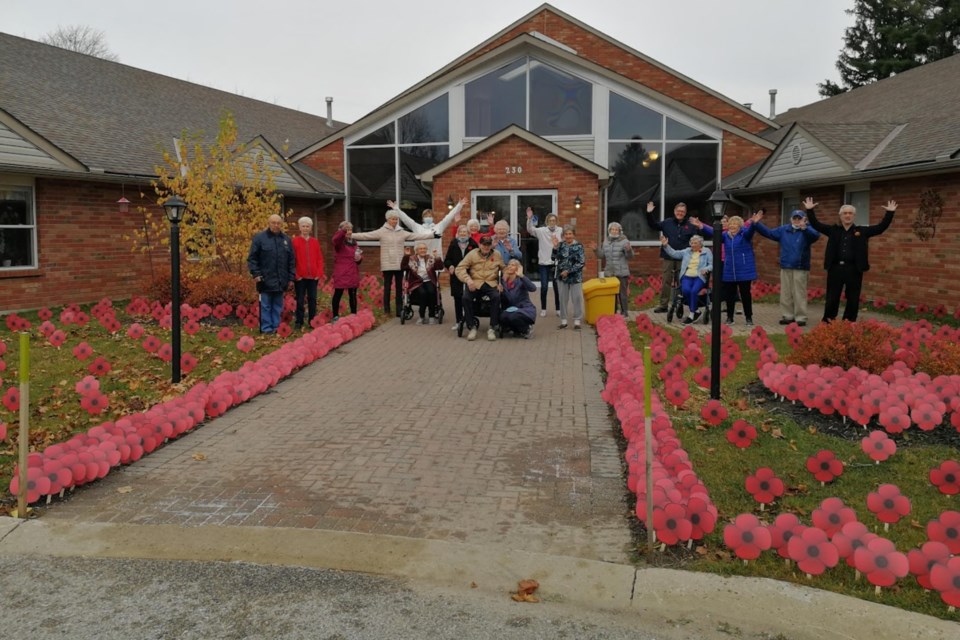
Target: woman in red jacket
309, 270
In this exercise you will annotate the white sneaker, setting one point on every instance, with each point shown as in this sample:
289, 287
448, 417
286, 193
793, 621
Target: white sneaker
491, 335
529, 333
558, 313
432, 321
454, 327
419, 320
563, 324
543, 313
472, 335
576, 325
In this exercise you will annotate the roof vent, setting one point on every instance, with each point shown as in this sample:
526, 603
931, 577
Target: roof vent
329, 100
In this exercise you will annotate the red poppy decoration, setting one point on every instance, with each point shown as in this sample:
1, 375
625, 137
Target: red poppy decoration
3, 431
11, 399
135, 331
38, 484
812, 551
702, 377
245, 344
923, 560
82, 351
187, 363
946, 529
880, 561
888, 504
284, 330
945, 578
824, 466
225, 334
783, 528
946, 477
741, 434
677, 392
832, 515
99, 367
747, 537
878, 444
671, 523
702, 515
151, 344
764, 485
165, 352
714, 412
851, 537
94, 403
87, 385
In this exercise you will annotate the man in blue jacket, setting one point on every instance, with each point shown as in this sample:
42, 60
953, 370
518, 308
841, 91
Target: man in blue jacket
271, 263
677, 230
795, 240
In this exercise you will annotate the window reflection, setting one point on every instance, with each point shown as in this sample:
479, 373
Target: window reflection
429, 123
560, 104
679, 131
630, 121
372, 181
383, 135
497, 100
636, 168
690, 176
17, 228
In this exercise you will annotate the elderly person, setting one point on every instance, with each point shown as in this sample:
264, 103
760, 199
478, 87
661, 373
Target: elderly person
518, 314
423, 275
462, 245
695, 265
473, 226
504, 244
795, 240
347, 256
428, 224
480, 272
678, 231
616, 253
392, 237
570, 259
739, 264
309, 270
548, 274
846, 256
271, 263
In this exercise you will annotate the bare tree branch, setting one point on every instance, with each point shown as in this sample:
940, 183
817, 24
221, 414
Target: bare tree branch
81, 39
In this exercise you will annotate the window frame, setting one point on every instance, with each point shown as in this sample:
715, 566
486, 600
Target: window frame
9, 183
862, 190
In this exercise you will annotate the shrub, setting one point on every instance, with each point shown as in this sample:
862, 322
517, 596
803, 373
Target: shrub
232, 288
865, 344
939, 358
158, 287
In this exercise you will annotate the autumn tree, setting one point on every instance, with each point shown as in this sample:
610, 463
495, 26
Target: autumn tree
230, 192
892, 36
81, 39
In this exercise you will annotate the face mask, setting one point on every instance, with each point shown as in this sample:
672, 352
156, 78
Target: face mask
552, 227
614, 234
428, 221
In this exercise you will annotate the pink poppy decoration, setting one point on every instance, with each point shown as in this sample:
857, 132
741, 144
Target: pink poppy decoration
82, 351
764, 485
888, 504
741, 434
878, 445
812, 551
824, 466
135, 331
946, 529
245, 344
880, 561
831, 515
747, 537
946, 477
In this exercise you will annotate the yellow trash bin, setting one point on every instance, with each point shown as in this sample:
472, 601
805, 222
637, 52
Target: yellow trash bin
600, 297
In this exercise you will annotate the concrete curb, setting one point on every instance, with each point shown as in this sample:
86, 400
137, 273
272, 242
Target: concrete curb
701, 603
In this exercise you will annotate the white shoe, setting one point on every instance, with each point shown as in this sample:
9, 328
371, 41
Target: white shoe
454, 327
563, 324
543, 313
472, 335
491, 335
432, 321
558, 313
576, 325
529, 333
419, 320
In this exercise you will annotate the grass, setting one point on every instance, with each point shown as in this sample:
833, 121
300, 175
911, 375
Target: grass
784, 443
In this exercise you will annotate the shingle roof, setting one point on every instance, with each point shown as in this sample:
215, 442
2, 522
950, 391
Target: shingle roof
115, 117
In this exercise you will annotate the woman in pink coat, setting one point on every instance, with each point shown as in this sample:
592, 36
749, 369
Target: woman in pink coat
346, 267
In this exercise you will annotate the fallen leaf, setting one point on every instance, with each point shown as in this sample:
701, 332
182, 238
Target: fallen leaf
812, 430
702, 551
473, 585
126, 489
765, 427
742, 404
199, 456
711, 449
916, 525
776, 433
527, 586
701, 427
524, 597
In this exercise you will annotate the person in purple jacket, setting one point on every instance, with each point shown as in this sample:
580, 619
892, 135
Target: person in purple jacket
518, 314
346, 267
739, 264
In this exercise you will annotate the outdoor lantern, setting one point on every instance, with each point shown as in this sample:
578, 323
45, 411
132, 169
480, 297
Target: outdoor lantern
123, 205
175, 208
718, 203
449, 203
577, 203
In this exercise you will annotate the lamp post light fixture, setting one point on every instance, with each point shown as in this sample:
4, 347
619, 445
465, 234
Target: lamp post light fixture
577, 203
450, 203
175, 208
718, 203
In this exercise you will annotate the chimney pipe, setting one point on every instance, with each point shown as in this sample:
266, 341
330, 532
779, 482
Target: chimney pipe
748, 105
773, 103
329, 100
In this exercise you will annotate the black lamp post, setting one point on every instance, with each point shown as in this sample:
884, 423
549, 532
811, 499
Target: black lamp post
175, 208
718, 202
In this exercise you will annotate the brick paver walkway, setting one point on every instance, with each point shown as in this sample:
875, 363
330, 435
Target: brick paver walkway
407, 431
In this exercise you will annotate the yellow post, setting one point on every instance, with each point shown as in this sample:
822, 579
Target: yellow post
648, 441
24, 422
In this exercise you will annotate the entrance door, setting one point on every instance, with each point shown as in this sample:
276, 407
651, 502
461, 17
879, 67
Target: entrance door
512, 207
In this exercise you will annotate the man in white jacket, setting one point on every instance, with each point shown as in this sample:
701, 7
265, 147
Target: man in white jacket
544, 236
434, 245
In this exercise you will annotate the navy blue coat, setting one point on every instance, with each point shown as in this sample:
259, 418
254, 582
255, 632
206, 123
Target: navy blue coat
677, 233
271, 258
794, 244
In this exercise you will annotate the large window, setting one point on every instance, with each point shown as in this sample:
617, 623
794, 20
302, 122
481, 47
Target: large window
655, 158
380, 169
860, 198
560, 104
18, 229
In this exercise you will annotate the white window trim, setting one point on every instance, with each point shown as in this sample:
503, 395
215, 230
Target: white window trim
23, 182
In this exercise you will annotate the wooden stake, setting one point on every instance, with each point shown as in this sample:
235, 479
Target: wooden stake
24, 422
648, 441
877, 591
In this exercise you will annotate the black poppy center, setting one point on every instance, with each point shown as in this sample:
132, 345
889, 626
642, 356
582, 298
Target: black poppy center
882, 562
950, 478
671, 524
888, 504
825, 466
952, 532
813, 552
748, 536
834, 518
765, 486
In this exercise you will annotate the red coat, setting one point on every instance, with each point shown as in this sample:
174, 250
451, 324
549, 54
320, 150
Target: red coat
308, 259
346, 269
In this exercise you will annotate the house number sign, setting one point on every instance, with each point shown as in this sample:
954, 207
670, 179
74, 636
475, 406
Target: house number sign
512, 170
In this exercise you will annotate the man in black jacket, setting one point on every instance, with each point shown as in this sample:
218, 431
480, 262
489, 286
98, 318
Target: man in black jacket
677, 230
271, 263
846, 257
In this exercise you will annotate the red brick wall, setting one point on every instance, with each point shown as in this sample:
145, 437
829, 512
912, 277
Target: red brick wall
328, 160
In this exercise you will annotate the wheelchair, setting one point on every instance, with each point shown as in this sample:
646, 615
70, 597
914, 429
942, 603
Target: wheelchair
704, 302
481, 309
407, 311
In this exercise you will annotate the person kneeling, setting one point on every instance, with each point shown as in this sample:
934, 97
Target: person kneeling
480, 272
519, 314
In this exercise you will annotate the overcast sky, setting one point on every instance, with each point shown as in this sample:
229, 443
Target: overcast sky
364, 52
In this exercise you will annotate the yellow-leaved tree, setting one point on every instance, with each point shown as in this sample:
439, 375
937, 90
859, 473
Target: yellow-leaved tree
230, 192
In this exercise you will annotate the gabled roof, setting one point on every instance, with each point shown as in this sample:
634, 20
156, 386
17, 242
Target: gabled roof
534, 43
897, 126
114, 119
602, 174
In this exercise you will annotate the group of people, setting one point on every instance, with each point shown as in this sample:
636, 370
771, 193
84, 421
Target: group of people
686, 264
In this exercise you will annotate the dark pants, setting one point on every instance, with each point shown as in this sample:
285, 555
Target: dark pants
428, 299
306, 290
396, 279
337, 294
516, 321
456, 291
840, 277
547, 275
671, 276
730, 290
470, 296
271, 307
